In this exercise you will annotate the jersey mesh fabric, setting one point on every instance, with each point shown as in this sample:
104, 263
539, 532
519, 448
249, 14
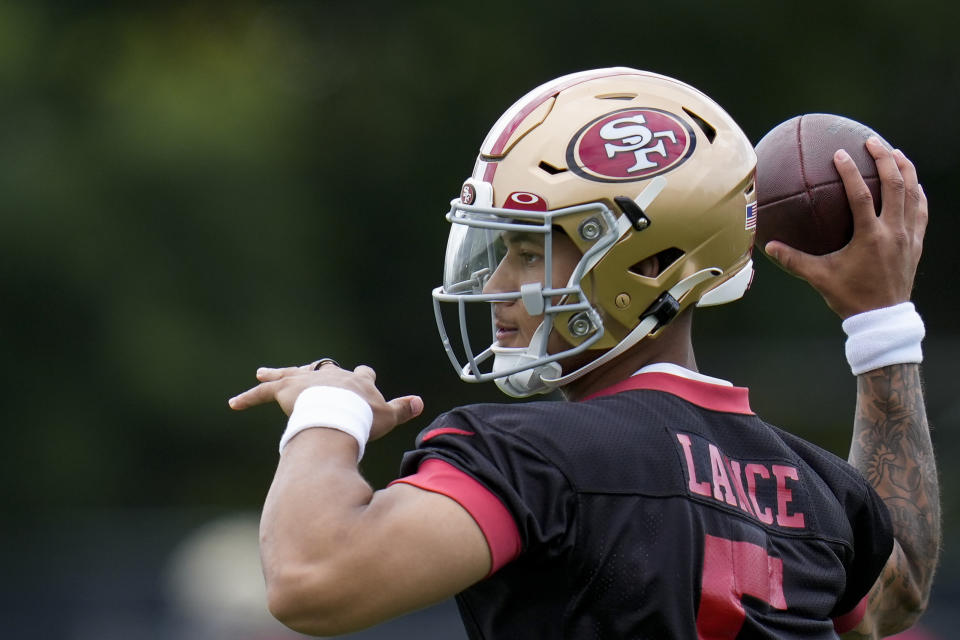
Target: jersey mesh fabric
614, 543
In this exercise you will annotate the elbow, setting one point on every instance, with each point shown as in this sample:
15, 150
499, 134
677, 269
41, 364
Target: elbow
914, 605
293, 601
304, 601
905, 619
915, 596
911, 604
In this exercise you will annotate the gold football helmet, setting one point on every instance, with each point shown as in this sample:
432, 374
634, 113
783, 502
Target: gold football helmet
629, 165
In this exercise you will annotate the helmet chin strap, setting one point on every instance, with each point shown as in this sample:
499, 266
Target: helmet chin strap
531, 381
641, 331
549, 376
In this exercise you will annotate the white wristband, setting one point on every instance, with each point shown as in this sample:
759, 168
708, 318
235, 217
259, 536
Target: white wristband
330, 407
882, 337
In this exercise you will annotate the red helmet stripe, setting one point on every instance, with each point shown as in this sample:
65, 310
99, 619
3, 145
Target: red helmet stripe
500, 134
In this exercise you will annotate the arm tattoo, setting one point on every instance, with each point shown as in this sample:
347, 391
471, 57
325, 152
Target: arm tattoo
892, 448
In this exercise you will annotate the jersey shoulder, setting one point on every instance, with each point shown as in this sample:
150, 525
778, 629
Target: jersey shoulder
624, 443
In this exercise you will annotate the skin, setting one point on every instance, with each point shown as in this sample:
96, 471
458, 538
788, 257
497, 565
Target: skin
891, 446
891, 440
524, 262
338, 556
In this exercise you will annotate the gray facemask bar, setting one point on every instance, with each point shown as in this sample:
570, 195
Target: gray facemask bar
469, 370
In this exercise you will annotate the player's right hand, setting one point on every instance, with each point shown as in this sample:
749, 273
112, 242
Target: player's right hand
877, 267
284, 385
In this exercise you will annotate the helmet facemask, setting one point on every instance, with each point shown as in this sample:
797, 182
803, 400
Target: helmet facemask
476, 248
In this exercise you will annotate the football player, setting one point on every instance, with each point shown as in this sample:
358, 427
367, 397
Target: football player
654, 503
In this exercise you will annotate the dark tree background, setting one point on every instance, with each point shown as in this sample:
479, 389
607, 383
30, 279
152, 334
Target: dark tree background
191, 190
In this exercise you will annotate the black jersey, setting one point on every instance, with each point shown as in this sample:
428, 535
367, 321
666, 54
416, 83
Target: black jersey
660, 508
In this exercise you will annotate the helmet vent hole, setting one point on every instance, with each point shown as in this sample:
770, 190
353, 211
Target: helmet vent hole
708, 129
549, 168
663, 261
616, 96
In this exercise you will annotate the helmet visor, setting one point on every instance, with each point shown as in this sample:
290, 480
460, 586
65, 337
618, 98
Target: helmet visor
472, 256
476, 246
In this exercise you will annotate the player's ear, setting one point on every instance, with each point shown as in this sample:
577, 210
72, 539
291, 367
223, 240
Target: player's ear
648, 267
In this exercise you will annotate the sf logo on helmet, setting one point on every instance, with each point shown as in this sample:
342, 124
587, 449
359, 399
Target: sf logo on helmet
630, 144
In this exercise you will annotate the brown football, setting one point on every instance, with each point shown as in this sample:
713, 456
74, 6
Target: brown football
801, 199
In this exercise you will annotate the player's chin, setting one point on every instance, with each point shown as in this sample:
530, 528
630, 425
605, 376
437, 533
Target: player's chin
512, 344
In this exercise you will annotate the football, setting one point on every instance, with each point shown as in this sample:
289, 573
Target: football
800, 196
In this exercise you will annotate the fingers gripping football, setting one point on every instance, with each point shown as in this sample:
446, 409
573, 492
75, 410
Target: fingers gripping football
877, 268
284, 385
915, 201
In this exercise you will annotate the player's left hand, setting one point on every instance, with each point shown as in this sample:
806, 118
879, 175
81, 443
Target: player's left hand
877, 267
284, 385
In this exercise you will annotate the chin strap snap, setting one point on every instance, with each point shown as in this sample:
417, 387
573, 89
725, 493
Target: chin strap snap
665, 308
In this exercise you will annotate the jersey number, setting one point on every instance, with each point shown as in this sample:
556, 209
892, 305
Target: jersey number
730, 571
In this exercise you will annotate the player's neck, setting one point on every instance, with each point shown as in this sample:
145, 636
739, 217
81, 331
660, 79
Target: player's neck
673, 345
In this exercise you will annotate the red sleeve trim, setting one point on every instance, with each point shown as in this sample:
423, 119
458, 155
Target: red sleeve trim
849, 621
487, 510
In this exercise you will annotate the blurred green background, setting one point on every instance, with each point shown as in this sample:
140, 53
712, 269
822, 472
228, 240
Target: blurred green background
192, 190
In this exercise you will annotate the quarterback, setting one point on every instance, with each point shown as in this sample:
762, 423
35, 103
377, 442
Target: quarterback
604, 207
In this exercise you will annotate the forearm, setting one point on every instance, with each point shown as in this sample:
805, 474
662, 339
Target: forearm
339, 557
892, 448
314, 502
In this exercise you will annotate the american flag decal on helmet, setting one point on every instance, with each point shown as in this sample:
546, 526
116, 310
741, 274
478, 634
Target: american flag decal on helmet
751, 216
